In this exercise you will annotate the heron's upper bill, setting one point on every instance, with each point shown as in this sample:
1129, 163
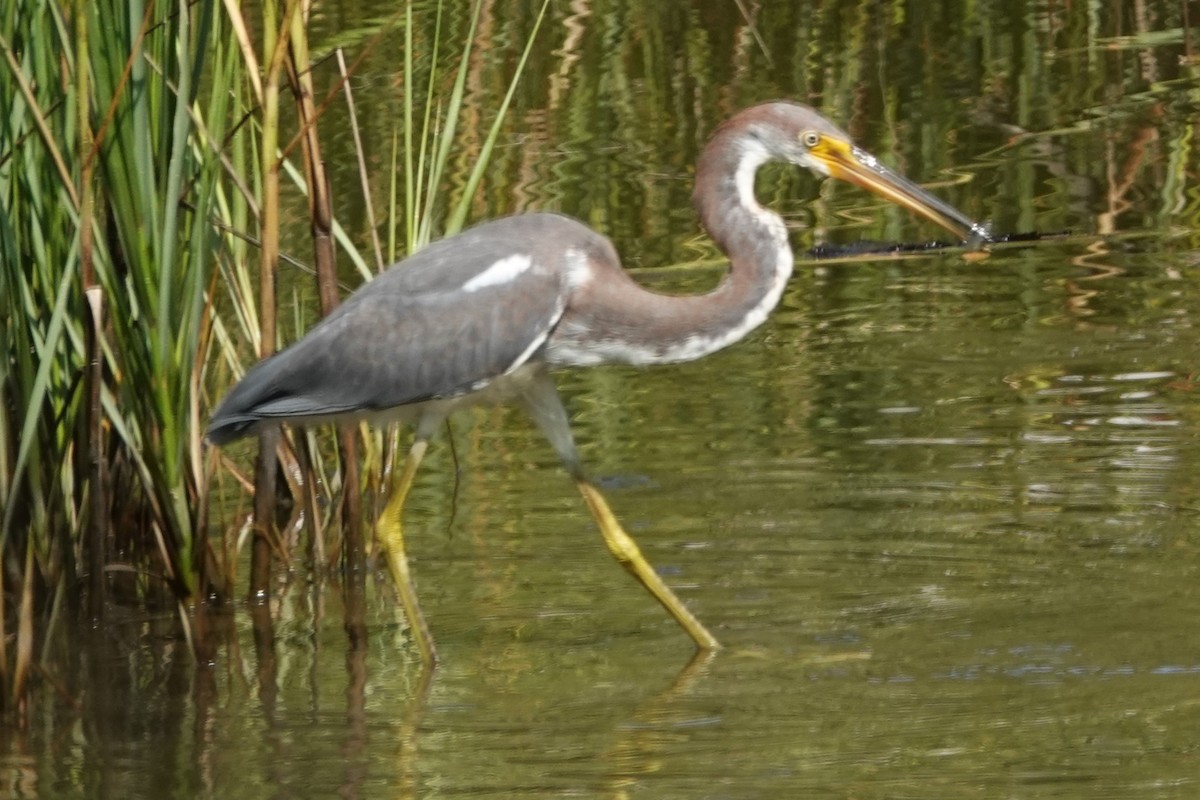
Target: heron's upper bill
843, 160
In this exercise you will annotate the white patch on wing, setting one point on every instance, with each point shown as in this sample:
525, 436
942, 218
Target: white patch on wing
536, 344
505, 270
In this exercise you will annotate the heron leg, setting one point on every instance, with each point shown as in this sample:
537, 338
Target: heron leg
541, 400
390, 535
626, 551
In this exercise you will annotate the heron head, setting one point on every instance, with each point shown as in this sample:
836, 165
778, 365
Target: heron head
799, 135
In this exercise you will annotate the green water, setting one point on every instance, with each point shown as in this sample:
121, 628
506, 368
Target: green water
942, 513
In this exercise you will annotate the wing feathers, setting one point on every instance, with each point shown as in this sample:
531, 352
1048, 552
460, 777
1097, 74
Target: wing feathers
450, 319
385, 350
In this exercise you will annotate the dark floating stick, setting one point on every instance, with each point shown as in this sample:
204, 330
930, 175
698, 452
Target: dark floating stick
828, 251
824, 251
1032, 236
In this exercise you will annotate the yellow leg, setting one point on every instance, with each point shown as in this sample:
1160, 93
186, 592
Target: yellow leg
626, 551
390, 535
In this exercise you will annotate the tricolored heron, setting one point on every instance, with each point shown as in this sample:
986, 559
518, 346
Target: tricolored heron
483, 316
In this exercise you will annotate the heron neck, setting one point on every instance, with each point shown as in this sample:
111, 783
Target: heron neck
752, 236
622, 322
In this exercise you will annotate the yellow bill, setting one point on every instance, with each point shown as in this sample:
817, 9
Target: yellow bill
844, 161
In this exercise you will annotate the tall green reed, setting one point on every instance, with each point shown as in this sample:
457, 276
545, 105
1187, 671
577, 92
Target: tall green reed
107, 188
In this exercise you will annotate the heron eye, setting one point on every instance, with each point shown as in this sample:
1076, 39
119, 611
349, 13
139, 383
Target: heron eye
810, 138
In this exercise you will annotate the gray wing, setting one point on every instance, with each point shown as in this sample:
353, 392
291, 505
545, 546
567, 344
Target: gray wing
438, 325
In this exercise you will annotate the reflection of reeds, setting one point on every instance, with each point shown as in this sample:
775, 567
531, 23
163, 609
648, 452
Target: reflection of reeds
131, 193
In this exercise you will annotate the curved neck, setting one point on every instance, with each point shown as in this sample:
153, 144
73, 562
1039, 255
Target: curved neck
617, 320
753, 237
